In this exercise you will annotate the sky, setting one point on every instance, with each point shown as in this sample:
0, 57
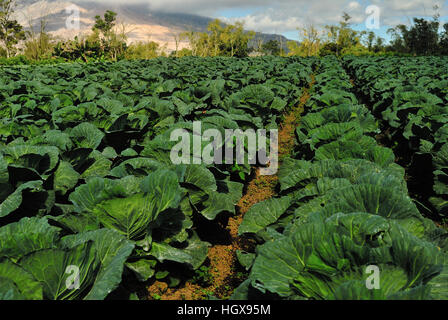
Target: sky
286, 16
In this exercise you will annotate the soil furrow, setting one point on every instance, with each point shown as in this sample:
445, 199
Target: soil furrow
224, 270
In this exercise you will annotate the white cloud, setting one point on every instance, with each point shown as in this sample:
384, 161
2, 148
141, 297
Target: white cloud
288, 15
354, 5
399, 11
285, 16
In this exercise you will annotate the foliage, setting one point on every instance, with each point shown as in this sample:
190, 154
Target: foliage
108, 41
80, 49
409, 96
310, 43
143, 50
185, 52
421, 38
104, 43
23, 60
105, 25
272, 47
332, 40
220, 40
203, 276
342, 206
357, 50
11, 32
38, 45
86, 178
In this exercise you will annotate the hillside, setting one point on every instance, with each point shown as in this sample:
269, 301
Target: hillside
140, 22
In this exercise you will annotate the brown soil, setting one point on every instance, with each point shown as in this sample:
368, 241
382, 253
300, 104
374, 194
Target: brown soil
224, 265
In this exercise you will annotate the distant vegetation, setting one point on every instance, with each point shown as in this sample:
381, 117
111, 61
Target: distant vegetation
108, 41
422, 38
220, 40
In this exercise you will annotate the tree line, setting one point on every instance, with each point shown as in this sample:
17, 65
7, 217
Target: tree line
108, 40
423, 37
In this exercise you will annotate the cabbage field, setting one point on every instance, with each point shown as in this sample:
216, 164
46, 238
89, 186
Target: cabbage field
92, 206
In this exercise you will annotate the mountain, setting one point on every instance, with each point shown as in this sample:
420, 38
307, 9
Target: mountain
139, 21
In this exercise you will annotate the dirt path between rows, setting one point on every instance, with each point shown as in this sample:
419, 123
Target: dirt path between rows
224, 268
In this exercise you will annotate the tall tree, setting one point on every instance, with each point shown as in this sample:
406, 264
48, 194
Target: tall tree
105, 25
113, 43
11, 32
379, 45
370, 40
443, 44
272, 47
347, 37
38, 44
215, 29
235, 40
342, 36
310, 42
422, 38
397, 43
220, 40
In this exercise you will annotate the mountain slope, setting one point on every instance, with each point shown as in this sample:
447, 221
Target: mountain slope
141, 24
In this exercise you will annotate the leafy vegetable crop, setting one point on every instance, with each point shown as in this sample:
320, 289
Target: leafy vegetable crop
343, 206
86, 180
89, 196
410, 96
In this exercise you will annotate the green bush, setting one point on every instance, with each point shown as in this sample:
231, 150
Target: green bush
23, 60
143, 50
